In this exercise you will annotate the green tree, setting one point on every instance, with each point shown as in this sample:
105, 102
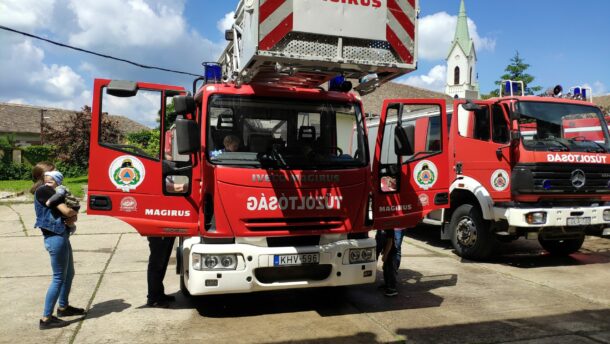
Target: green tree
516, 71
71, 139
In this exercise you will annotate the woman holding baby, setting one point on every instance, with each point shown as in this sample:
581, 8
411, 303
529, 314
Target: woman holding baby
55, 220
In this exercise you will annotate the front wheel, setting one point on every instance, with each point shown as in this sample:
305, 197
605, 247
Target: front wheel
470, 233
562, 247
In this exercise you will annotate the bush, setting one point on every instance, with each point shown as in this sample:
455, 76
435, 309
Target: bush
36, 154
12, 171
70, 170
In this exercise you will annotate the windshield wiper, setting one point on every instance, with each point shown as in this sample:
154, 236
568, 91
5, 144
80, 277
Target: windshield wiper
601, 149
556, 140
271, 159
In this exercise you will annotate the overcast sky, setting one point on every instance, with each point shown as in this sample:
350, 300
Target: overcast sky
565, 42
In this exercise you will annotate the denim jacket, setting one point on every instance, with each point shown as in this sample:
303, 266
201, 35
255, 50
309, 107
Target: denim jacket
46, 220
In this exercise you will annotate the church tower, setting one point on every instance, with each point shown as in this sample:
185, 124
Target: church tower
461, 62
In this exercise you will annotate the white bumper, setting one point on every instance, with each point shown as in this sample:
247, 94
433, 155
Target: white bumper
333, 256
555, 217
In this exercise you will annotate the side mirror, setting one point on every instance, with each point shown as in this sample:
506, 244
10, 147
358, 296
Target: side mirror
187, 136
470, 106
403, 140
122, 88
184, 105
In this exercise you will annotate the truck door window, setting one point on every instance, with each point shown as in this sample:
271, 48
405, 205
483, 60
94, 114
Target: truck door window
425, 122
176, 178
138, 119
500, 133
474, 124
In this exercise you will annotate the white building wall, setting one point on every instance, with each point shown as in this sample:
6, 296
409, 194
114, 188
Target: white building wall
458, 59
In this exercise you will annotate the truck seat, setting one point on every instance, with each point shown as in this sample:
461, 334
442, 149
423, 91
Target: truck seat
259, 143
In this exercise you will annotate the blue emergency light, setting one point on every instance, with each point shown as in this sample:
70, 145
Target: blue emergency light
577, 91
213, 73
511, 85
583, 93
339, 84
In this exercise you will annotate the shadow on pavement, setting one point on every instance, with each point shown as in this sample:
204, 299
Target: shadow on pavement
587, 326
414, 292
362, 337
107, 307
522, 253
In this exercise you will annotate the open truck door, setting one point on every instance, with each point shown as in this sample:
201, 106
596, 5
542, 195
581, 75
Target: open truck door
136, 173
411, 166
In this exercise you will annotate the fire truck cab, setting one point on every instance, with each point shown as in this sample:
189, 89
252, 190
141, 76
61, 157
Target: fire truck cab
522, 166
257, 171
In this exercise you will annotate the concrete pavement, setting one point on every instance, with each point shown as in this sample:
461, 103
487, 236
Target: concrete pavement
523, 296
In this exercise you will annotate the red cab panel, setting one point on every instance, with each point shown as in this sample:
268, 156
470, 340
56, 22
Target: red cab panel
135, 173
411, 172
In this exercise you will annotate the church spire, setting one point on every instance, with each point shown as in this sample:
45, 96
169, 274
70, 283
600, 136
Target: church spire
462, 37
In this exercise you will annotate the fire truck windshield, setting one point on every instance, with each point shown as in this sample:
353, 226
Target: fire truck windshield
548, 126
281, 133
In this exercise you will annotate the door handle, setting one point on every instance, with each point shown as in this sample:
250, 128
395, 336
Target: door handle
100, 203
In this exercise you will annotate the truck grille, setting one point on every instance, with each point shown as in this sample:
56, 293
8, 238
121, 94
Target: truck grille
293, 273
294, 224
560, 178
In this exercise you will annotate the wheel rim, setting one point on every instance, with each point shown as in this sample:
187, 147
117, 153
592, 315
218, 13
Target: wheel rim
466, 232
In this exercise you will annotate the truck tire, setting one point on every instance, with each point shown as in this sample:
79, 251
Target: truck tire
562, 247
470, 233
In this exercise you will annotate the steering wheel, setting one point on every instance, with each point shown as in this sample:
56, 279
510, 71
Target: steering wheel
338, 151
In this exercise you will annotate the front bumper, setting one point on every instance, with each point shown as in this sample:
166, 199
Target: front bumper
555, 217
256, 271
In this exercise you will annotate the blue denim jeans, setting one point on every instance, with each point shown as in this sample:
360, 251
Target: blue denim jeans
399, 234
62, 263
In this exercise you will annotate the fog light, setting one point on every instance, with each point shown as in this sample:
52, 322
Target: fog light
361, 255
607, 215
536, 218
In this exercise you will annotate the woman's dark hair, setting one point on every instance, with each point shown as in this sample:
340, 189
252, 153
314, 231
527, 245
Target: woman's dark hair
38, 174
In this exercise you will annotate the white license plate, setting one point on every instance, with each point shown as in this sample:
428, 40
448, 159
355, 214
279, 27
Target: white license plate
579, 221
296, 259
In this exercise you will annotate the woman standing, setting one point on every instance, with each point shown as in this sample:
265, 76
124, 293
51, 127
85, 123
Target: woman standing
52, 222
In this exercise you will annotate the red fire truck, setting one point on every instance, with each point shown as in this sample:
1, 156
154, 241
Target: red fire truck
528, 166
259, 175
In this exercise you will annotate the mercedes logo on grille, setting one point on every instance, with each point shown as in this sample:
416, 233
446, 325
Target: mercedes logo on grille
578, 178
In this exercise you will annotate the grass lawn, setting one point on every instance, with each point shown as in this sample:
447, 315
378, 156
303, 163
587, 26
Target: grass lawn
74, 184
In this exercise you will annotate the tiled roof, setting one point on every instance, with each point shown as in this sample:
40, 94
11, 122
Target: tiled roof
603, 101
17, 118
373, 102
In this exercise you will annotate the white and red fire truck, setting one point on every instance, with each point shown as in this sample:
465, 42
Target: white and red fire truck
528, 166
260, 177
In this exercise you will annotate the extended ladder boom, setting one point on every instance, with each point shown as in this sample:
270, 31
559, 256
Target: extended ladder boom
305, 43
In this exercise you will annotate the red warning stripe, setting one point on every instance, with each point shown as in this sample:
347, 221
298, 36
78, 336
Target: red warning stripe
402, 18
400, 48
268, 8
276, 34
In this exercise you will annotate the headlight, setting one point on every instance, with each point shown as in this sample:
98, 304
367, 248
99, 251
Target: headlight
536, 218
207, 262
607, 215
361, 255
